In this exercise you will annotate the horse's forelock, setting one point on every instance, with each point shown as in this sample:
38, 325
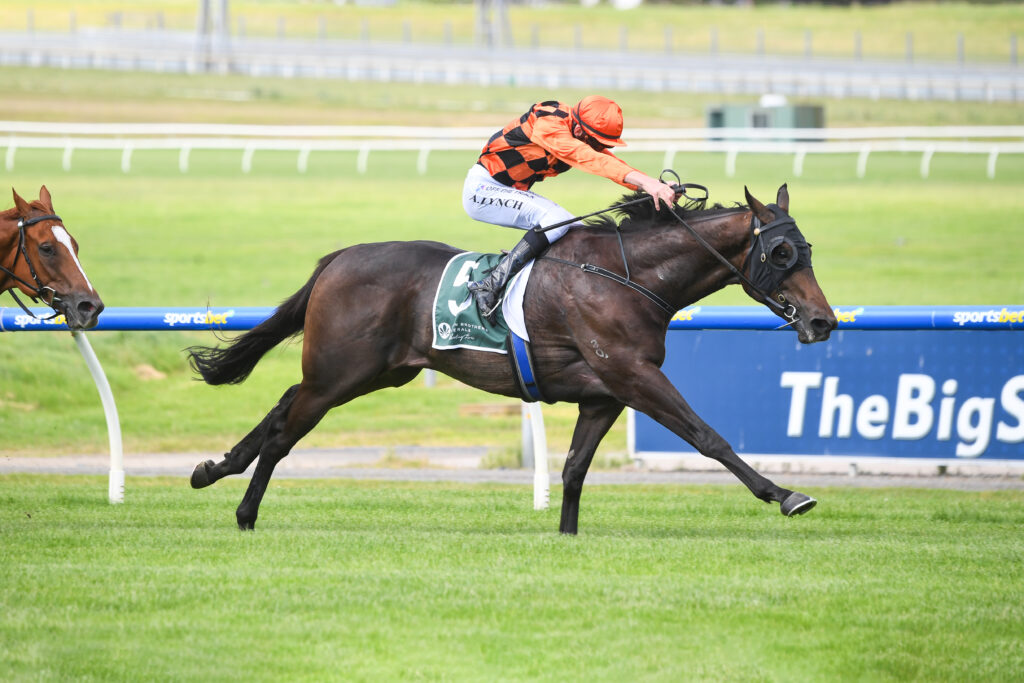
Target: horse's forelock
12, 213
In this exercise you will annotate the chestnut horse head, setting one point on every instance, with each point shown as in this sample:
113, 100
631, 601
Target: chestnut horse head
39, 257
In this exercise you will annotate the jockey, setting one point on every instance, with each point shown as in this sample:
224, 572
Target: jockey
549, 139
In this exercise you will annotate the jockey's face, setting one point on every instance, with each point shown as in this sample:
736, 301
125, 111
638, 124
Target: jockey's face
593, 143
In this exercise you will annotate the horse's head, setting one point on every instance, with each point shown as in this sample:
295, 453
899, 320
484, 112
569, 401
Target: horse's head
39, 257
779, 266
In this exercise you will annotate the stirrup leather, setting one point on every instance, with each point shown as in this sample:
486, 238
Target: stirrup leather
488, 292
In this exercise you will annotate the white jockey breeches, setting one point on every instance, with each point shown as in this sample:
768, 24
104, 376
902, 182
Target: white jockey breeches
487, 200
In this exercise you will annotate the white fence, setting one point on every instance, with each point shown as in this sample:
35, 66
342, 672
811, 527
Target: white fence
991, 141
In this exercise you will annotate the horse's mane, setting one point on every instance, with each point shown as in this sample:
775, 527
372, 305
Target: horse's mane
642, 214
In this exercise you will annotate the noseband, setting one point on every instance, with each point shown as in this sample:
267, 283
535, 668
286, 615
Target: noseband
39, 290
770, 269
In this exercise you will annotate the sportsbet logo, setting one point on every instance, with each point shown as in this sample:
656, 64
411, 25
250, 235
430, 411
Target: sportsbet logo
847, 316
686, 315
1005, 315
197, 318
24, 321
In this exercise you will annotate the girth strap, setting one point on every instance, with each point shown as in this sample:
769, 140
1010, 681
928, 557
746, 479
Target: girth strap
522, 367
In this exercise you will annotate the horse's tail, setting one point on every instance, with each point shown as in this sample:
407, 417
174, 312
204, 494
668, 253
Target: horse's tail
232, 364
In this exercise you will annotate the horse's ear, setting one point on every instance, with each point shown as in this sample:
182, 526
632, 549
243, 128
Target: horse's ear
757, 207
44, 197
20, 204
782, 199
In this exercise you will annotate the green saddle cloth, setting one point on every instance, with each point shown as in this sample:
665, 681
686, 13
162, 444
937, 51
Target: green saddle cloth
458, 323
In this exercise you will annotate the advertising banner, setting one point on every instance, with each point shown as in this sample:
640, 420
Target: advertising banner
934, 393
142, 318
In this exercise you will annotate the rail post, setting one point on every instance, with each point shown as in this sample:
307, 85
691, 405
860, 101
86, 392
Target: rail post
115, 489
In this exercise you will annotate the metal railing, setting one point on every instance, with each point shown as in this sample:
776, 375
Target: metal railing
596, 69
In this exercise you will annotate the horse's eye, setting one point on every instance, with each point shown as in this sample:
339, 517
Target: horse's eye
46, 249
781, 255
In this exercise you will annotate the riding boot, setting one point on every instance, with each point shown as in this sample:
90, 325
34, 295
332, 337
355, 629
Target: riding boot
487, 292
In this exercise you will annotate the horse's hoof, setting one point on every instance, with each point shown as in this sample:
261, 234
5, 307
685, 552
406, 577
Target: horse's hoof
201, 475
245, 522
797, 503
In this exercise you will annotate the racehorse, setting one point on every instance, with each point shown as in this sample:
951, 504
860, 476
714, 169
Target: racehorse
366, 316
39, 257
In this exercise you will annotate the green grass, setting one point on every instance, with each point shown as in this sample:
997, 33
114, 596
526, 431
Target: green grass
215, 236
390, 581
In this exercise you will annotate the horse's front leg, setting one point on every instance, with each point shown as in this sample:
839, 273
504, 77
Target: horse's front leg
595, 419
650, 392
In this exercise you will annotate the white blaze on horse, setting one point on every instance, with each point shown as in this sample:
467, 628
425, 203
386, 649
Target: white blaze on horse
39, 258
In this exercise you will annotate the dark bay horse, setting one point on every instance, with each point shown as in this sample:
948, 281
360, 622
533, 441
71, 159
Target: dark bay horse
40, 258
366, 317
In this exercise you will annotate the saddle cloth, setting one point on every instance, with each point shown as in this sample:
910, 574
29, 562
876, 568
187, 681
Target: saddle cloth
457, 322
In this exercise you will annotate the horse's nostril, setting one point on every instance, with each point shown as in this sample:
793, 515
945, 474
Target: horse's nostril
822, 326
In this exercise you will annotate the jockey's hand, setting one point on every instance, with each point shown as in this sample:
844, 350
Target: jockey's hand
659, 191
665, 193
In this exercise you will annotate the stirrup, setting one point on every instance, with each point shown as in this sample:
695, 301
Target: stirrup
491, 315
489, 312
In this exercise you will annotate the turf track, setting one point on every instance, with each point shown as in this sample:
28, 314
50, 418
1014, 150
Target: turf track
348, 580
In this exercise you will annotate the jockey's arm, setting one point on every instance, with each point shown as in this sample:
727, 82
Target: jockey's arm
661, 192
552, 135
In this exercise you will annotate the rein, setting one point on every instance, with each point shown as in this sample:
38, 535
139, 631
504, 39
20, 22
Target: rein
611, 275
782, 307
38, 289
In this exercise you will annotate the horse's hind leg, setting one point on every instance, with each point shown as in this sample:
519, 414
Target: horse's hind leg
241, 456
594, 422
311, 402
305, 411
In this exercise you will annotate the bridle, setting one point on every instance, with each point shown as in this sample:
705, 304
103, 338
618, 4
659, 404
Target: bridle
39, 290
764, 268
781, 252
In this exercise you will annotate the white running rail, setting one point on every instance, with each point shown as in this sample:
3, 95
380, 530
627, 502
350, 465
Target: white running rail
128, 138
